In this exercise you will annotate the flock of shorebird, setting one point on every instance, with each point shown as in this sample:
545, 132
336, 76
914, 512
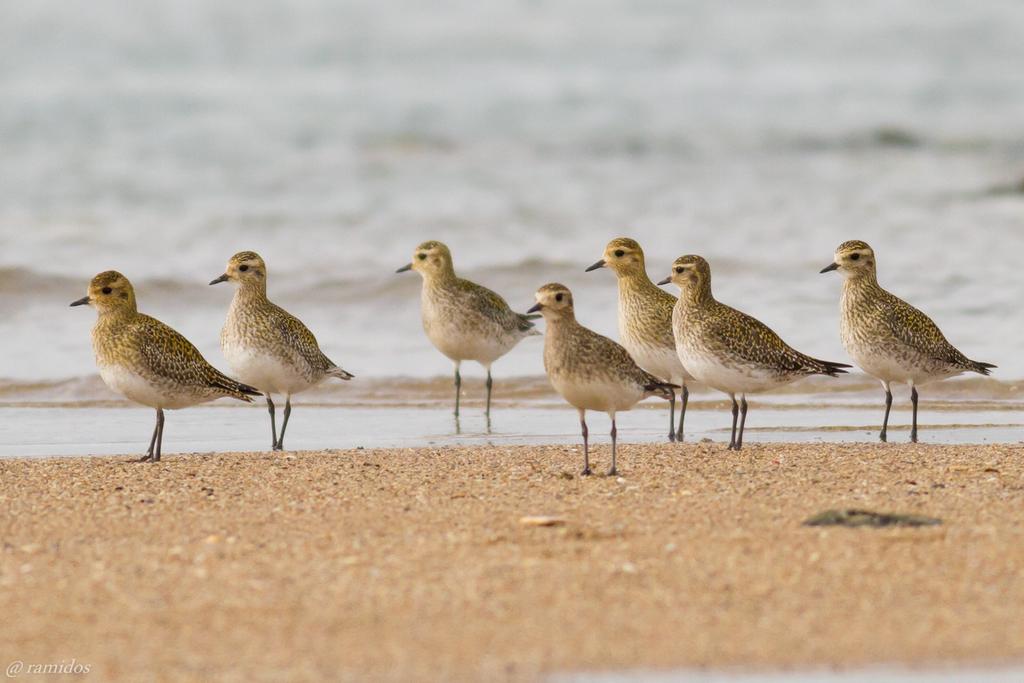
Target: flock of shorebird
665, 341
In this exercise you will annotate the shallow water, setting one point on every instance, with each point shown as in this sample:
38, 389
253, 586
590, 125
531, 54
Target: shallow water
95, 430
158, 138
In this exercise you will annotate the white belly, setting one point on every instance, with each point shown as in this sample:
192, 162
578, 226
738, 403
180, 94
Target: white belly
459, 346
708, 370
137, 388
263, 371
661, 361
891, 369
603, 396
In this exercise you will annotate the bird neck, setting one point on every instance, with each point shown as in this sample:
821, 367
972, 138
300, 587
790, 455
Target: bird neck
696, 296
861, 283
112, 319
442, 277
636, 281
560, 321
127, 310
251, 290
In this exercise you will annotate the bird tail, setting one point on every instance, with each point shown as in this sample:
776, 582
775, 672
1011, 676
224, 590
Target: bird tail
335, 371
665, 390
980, 368
526, 323
234, 389
830, 368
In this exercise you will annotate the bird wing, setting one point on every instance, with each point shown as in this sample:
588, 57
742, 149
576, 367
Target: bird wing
753, 342
615, 360
298, 339
494, 307
917, 330
164, 352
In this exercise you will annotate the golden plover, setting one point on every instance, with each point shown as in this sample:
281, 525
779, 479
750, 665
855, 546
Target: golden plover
463, 320
645, 322
888, 338
590, 371
265, 345
728, 350
148, 362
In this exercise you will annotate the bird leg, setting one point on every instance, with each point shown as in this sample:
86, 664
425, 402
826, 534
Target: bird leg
284, 424
152, 442
159, 434
612, 472
490, 383
913, 428
682, 412
458, 388
883, 435
743, 421
735, 416
273, 423
586, 445
672, 415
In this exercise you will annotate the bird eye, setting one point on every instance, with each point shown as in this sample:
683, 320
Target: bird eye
243, 268
680, 269
422, 257
106, 290
619, 253
854, 257
558, 297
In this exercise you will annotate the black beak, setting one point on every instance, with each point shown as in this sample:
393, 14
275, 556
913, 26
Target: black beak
84, 301
665, 281
599, 264
218, 280
407, 266
830, 267
535, 308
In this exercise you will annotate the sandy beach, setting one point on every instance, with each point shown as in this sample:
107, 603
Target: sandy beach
419, 565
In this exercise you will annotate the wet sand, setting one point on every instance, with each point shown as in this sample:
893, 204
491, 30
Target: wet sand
418, 565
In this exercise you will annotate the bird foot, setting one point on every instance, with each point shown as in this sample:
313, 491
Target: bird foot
679, 437
883, 438
612, 472
586, 472
146, 458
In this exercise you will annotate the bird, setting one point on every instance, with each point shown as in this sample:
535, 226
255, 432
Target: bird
645, 322
462, 319
265, 345
888, 338
146, 361
590, 371
728, 350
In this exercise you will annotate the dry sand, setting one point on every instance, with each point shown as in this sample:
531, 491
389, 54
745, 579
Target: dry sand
416, 564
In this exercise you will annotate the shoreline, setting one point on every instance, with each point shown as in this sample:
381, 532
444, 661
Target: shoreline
227, 427
413, 564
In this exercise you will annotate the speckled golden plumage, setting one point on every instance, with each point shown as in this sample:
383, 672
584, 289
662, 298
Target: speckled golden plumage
256, 322
645, 321
729, 350
147, 361
887, 337
589, 370
267, 346
462, 319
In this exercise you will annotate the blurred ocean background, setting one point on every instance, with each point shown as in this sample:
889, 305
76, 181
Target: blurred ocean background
157, 138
